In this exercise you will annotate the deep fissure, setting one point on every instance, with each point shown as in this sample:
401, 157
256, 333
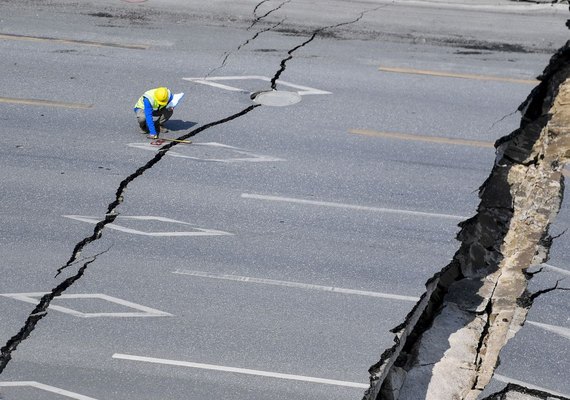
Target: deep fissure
316, 32
40, 311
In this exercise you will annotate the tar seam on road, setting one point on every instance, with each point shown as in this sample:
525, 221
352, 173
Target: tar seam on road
45, 103
422, 138
430, 139
457, 75
9, 36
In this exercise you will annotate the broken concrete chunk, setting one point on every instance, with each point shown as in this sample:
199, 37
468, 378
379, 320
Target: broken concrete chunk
471, 294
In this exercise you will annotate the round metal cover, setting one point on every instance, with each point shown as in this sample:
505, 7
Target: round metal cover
276, 98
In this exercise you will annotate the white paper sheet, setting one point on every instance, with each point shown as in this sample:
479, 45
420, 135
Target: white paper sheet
175, 99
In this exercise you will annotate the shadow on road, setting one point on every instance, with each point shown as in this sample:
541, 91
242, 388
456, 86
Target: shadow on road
179, 125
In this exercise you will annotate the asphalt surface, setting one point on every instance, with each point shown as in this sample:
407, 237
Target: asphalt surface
308, 197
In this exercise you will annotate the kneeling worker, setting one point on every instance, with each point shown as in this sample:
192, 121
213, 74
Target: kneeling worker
153, 104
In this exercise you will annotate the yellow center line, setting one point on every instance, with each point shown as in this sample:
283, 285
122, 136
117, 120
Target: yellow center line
431, 139
456, 75
421, 138
9, 36
46, 103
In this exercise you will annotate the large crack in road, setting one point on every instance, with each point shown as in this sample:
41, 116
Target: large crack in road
449, 345
41, 309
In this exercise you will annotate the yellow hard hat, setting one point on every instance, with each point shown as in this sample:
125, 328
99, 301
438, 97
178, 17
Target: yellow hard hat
161, 95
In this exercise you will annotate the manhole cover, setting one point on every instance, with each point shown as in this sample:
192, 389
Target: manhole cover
276, 98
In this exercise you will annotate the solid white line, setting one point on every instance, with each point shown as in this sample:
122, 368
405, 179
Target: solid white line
273, 282
559, 330
556, 269
505, 379
46, 388
240, 370
349, 206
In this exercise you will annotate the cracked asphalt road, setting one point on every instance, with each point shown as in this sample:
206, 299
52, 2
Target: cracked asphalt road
61, 161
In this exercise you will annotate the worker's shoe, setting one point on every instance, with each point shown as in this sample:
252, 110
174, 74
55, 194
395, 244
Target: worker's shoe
152, 136
143, 129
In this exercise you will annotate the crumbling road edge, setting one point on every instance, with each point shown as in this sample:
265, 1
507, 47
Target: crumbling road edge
449, 344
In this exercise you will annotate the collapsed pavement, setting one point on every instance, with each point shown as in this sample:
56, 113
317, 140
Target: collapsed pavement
449, 345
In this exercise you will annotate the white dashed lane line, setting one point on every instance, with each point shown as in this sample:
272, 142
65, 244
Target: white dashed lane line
559, 330
350, 206
235, 370
562, 331
273, 282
